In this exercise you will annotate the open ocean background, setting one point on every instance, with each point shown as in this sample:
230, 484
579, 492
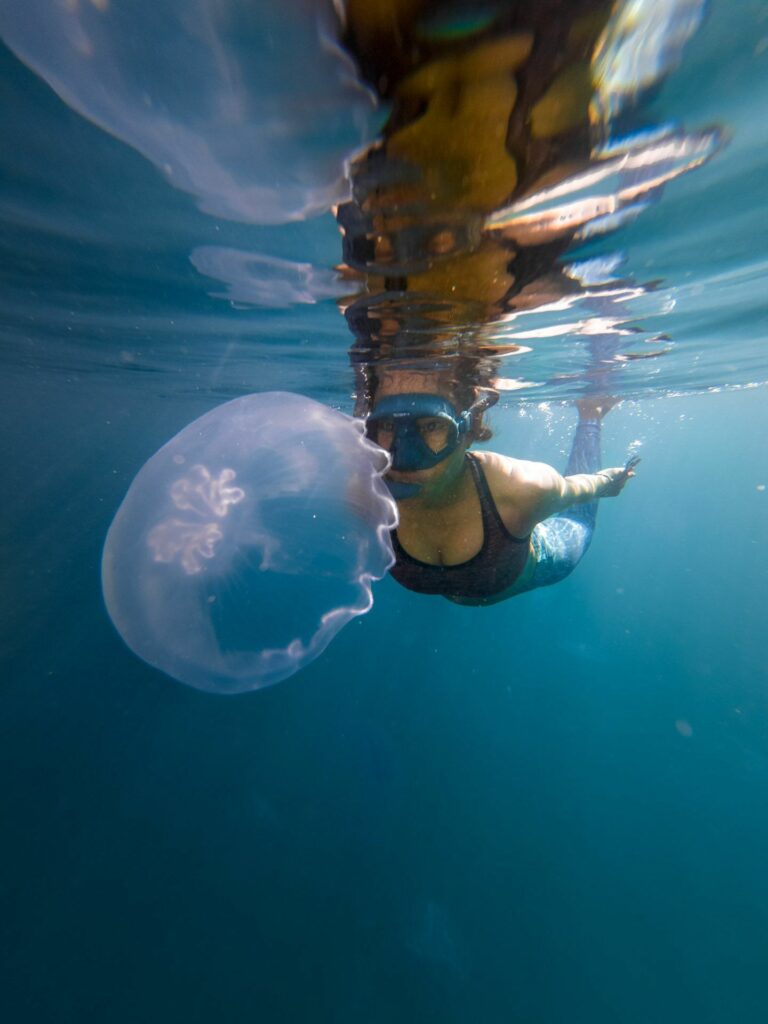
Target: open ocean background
551, 811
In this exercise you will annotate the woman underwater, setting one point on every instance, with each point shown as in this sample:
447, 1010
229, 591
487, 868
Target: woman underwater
476, 527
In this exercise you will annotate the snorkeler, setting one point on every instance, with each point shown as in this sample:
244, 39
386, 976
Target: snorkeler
480, 527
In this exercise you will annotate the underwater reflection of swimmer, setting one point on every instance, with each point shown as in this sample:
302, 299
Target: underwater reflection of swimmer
480, 527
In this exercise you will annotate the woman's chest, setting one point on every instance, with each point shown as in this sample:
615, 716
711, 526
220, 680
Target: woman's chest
440, 539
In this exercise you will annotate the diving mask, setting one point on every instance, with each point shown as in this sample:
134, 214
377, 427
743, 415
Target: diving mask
418, 430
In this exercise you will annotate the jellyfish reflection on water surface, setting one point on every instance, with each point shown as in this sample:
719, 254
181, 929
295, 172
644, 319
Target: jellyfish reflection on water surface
246, 543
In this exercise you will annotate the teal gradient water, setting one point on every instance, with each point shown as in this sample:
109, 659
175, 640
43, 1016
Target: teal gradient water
550, 810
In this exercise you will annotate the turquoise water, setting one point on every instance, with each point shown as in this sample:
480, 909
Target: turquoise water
548, 810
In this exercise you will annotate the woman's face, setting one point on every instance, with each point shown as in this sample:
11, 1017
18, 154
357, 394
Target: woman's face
434, 431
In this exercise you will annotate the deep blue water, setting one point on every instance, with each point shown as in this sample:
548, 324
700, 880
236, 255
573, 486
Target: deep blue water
551, 810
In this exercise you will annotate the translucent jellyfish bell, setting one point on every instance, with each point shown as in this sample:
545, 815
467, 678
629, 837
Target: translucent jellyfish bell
246, 543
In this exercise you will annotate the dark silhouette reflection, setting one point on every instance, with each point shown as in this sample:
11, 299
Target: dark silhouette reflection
506, 143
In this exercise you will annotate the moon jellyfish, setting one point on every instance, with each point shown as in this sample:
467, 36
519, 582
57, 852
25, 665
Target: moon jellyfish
248, 541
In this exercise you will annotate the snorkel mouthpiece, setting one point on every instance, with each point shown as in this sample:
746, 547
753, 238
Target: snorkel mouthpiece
401, 424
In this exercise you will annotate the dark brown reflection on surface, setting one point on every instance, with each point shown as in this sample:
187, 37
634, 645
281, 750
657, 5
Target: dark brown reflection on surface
475, 122
496, 156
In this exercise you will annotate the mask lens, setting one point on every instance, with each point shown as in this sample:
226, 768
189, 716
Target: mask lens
435, 432
381, 432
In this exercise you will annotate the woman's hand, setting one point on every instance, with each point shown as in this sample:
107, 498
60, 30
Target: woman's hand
617, 478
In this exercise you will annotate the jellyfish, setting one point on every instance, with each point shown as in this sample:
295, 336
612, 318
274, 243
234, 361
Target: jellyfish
248, 541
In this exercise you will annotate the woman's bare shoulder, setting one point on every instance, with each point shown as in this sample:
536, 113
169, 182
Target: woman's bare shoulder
519, 487
503, 472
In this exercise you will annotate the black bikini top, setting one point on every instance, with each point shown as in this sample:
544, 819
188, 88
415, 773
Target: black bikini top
495, 567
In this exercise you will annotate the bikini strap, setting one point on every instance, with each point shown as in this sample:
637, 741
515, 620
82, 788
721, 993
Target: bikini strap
488, 507
484, 494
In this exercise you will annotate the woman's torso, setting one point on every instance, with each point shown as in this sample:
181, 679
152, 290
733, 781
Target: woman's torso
474, 526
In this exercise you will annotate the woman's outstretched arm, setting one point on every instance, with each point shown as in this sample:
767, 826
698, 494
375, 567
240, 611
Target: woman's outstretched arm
529, 492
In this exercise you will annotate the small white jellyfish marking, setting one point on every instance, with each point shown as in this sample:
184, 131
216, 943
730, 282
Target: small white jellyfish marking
190, 542
684, 728
205, 494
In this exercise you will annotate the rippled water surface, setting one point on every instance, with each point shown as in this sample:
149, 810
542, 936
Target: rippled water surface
550, 810
110, 267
